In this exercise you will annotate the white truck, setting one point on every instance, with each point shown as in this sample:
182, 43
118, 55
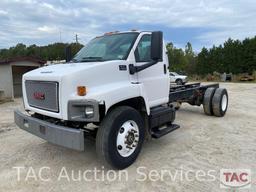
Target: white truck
115, 90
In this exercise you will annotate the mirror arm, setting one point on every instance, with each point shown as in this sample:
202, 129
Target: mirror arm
135, 69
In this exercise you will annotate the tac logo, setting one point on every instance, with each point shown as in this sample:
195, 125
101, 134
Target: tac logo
235, 178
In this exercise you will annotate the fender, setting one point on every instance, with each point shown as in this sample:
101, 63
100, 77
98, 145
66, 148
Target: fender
112, 94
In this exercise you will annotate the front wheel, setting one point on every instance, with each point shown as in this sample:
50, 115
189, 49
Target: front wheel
120, 137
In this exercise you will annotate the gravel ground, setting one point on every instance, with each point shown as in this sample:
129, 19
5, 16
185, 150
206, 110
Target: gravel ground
205, 144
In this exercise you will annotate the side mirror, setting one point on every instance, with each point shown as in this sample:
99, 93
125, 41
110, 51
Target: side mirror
157, 45
68, 53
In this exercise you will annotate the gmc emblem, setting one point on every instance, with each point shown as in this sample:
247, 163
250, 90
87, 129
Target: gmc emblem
39, 96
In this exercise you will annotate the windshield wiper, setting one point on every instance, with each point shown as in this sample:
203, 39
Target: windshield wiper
84, 59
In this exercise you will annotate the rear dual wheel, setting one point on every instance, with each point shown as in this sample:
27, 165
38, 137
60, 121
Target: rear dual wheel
220, 102
215, 101
207, 103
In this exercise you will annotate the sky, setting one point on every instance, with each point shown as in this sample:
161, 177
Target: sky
204, 23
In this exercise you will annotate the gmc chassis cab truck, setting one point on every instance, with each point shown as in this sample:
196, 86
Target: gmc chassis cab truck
115, 90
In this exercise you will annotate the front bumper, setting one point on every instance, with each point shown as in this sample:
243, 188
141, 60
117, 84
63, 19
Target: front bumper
59, 135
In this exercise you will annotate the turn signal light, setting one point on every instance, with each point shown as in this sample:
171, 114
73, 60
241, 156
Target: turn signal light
81, 90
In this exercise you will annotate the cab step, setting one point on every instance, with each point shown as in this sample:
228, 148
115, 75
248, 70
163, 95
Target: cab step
159, 132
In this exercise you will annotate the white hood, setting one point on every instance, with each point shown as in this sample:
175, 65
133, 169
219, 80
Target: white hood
93, 75
58, 70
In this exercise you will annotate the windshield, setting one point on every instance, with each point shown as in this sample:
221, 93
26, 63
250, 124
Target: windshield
107, 47
174, 73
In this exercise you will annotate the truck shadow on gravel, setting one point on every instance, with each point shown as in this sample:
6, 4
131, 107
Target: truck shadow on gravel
65, 157
56, 157
191, 111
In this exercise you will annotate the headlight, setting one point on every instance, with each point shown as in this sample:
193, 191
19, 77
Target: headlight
83, 110
89, 111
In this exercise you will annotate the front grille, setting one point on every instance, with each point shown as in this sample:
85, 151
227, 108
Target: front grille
43, 95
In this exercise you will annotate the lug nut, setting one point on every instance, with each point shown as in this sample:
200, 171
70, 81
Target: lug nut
136, 135
121, 130
119, 147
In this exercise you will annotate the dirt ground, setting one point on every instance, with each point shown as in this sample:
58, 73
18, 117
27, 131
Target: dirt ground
203, 143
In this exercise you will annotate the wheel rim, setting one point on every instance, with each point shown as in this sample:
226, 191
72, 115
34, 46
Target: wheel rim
127, 138
224, 102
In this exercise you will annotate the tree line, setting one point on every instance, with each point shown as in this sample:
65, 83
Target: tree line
234, 56
49, 52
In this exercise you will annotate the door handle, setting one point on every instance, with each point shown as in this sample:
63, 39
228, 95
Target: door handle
165, 69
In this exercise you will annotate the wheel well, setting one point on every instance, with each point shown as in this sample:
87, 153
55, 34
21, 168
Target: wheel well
137, 103
179, 79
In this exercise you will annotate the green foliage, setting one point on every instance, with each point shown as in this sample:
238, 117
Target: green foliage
54, 51
233, 56
181, 61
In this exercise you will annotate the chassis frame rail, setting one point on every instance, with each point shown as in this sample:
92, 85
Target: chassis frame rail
192, 93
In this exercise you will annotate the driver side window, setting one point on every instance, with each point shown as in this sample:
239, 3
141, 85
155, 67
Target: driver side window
143, 50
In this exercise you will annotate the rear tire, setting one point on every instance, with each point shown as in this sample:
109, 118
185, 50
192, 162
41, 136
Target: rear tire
117, 135
207, 103
220, 102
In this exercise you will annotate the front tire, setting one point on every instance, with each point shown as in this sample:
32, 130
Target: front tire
120, 137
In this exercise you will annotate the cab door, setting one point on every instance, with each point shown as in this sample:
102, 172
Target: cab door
154, 79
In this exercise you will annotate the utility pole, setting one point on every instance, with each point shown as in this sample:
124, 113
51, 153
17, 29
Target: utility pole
60, 36
76, 38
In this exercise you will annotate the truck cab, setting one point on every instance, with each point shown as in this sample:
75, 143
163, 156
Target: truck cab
116, 90
102, 68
